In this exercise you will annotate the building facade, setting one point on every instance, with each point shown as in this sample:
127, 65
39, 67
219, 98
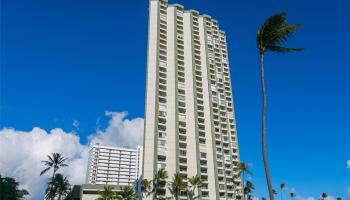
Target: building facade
190, 125
114, 166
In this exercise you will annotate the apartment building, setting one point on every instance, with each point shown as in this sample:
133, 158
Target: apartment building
114, 166
189, 115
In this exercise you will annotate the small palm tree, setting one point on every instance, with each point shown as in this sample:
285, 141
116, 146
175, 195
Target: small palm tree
338, 198
292, 195
248, 189
107, 193
177, 185
263, 198
270, 37
127, 193
324, 196
195, 182
282, 186
58, 187
159, 181
146, 187
243, 169
54, 161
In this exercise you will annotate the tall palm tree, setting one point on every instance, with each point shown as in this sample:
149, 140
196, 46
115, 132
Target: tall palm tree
282, 186
55, 161
159, 181
58, 187
248, 189
270, 37
177, 184
243, 169
107, 193
324, 196
127, 193
292, 195
146, 187
195, 182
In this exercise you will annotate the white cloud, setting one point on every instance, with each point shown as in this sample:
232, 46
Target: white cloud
330, 198
120, 131
305, 198
76, 124
21, 152
348, 164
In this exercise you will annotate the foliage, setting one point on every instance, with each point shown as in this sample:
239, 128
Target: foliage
127, 193
58, 187
9, 189
107, 193
195, 182
54, 161
177, 185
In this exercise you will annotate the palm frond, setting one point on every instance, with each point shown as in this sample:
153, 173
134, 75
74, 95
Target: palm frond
274, 32
280, 49
45, 170
265, 33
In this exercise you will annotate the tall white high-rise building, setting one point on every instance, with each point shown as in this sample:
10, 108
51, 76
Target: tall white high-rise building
189, 117
114, 166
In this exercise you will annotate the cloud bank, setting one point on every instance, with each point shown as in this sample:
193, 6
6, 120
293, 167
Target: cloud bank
22, 151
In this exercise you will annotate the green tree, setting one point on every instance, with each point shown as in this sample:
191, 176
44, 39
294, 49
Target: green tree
195, 182
58, 187
127, 193
270, 37
243, 169
338, 198
9, 189
292, 195
282, 186
324, 196
177, 184
159, 182
55, 161
248, 190
146, 187
107, 193
263, 198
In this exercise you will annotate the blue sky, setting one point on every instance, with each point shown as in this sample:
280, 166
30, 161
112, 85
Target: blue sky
72, 60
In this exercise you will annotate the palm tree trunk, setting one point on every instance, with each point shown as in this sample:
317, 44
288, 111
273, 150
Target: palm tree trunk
267, 172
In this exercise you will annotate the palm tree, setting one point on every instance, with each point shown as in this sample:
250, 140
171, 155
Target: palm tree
263, 198
248, 189
324, 196
282, 186
338, 198
107, 193
177, 185
127, 193
9, 189
159, 181
292, 195
195, 182
146, 187
243, 169
58, 187
55, 161
270, 37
